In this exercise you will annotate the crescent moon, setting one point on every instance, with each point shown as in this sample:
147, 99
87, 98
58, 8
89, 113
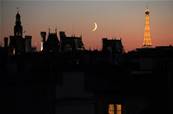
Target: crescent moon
95, 27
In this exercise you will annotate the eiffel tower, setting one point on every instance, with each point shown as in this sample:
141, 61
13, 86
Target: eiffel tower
147, 35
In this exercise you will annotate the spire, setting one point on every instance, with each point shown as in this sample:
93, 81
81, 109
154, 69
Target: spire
18, 29
18, 20
17, 9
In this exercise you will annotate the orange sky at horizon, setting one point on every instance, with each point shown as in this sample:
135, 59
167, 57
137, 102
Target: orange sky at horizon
114, 19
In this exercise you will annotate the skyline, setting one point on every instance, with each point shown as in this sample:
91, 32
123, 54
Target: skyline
79, 17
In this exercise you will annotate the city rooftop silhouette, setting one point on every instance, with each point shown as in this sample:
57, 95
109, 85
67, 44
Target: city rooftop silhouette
79, 18
63, 76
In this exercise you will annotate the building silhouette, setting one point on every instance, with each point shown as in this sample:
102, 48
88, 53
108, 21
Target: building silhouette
28, 44
18, 29
64, 44
43, 40
18, 44
147, 34
112, 45
113, 50
71, 43
51, 44
69, 79
6, 42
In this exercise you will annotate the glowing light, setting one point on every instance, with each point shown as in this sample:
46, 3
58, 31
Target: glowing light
115, 109
111, 109
147, 35
119, 109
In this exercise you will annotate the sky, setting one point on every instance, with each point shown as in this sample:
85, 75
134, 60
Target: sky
123, 19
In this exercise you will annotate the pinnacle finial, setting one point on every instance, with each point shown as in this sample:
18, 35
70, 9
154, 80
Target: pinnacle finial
17, 8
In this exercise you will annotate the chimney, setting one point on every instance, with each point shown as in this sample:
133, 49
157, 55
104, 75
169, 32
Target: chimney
6, 42
43, 36
43, 40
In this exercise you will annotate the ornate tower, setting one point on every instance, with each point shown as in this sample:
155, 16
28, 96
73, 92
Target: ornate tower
147, 35
17, 42
18, 29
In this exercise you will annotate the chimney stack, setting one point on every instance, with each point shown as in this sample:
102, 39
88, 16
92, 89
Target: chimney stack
6, 42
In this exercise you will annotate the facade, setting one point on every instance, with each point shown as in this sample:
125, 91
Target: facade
72, 97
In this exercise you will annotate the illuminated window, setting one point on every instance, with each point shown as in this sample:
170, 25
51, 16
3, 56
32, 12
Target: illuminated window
111, 109
118, 109
115, 109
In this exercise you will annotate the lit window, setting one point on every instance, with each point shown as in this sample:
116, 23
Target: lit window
115, 109
111, 109
118, 107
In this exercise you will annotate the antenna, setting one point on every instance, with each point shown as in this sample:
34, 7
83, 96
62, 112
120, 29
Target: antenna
146, 6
